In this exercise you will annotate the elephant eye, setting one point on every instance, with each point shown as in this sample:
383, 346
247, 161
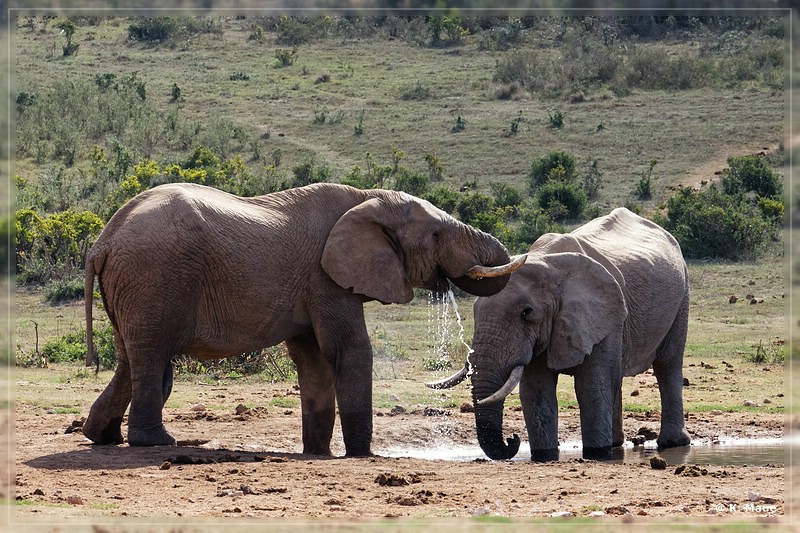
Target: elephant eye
526, 312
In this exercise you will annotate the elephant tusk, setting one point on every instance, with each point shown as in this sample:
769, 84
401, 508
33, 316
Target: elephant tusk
450, 382
505, 390
480, 271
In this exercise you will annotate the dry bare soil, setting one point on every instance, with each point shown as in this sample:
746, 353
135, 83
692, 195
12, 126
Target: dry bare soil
239, 456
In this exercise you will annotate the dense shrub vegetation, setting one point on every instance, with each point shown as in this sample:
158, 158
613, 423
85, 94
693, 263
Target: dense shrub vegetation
97, 140
734, 220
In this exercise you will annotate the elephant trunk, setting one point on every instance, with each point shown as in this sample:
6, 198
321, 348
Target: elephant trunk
487, 252
489, 417
489, 426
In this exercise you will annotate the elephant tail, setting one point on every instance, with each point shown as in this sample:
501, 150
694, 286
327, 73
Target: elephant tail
88, 297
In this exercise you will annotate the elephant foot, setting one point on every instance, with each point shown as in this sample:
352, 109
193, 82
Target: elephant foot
317, 450
602, 453
359, 453
544, 455
357, 433
152, 437
681, 439
99, 433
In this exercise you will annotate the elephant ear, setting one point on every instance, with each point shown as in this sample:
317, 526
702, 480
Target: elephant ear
591, 305
361, 254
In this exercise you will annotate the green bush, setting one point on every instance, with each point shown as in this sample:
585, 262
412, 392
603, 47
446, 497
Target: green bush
66, 349
418, 91
71, 347
53, 247
525, 68
653, 68
502, 36
64, 290
152, 29
307, 172
411, 182
286, 57
293, 31
556, 120
505, 195
562, 200
65, 120
473, 204
533, 223
592, 180
644, 187
446, 30
163, 29
443, 197
751, 173
714, 224
557, 165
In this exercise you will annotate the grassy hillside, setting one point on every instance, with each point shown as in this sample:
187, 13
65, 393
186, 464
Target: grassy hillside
409, 95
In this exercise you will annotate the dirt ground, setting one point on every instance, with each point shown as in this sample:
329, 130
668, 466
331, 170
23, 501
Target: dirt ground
245, 462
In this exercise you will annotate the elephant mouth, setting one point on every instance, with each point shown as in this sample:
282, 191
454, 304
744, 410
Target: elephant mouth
438, 282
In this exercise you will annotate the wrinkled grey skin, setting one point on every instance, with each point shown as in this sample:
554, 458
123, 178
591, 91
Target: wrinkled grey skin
187, 269
607, 300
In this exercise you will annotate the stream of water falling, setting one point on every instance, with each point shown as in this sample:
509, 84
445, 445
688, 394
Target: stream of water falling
440, 330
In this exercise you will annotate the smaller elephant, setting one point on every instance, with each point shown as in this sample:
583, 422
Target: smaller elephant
610, 299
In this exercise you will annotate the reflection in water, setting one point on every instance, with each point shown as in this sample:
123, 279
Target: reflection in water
753, 452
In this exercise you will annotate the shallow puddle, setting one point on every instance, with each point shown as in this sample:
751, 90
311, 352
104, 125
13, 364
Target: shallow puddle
722, 452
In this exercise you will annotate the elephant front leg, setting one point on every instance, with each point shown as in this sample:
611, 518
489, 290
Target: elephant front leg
354, 396
598, 382
537, 392
317, 396
345, 342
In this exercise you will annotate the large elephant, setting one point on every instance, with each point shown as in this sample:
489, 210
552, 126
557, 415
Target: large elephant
608, 300
188, 269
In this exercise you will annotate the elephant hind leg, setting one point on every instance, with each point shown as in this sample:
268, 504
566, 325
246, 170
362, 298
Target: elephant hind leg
668, 369
151, 384
103, 425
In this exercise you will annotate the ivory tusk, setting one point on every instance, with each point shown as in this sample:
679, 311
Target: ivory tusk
480, 271
505, 390
450, 382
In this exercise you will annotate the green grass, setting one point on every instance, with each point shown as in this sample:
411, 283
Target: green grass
26, 502
66, 410
288, 403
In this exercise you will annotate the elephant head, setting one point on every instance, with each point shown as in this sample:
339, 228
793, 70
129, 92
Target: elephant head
550, 315
385, 246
